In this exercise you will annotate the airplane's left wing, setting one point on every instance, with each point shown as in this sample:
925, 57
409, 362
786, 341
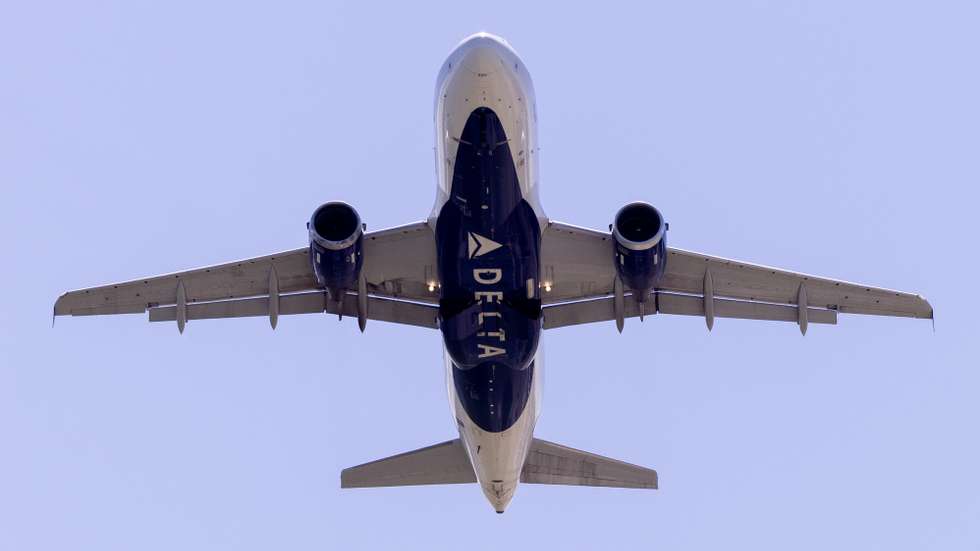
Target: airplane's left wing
576, 263
398, 269
580, 286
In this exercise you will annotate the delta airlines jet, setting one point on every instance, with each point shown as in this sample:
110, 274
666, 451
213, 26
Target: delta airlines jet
490, 271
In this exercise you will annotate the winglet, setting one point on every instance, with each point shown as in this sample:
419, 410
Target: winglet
55, 310
932, 315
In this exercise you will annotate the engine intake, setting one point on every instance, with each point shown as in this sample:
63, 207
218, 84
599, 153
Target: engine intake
641, 246
336, 236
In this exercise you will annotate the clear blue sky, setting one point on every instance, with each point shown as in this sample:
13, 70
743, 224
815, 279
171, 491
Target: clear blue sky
839, 138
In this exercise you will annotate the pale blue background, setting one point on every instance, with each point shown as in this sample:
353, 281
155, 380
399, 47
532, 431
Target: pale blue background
839, 138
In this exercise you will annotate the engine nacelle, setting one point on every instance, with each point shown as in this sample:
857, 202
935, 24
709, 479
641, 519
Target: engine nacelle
641, 247
336, 236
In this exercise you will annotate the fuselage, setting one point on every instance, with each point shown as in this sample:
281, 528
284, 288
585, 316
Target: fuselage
488, 222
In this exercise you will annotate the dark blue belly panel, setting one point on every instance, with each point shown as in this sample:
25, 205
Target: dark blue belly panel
488, 242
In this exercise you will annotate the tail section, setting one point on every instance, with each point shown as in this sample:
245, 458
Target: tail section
549, 463
546, 463
444, 463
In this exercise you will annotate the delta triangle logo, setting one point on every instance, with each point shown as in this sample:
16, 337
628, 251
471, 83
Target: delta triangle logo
480, 245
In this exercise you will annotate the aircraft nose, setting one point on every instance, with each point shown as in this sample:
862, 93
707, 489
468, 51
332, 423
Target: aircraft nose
482, 59
483, 53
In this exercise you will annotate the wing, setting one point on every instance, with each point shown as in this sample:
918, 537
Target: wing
399, 264
578, 265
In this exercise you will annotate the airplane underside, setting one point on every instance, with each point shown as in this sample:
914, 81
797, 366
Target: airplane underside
491, 272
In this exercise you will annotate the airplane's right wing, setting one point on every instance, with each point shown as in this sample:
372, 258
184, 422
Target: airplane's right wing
399, 271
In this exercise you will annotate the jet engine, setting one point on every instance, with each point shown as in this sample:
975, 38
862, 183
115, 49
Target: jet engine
641, 247
336, 236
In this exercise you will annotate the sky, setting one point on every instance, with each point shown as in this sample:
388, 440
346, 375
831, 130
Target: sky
830, 137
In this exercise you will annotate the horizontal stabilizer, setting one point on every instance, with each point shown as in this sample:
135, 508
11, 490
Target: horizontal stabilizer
444, 463
549, 463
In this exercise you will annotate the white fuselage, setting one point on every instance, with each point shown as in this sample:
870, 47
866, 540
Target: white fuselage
484, 71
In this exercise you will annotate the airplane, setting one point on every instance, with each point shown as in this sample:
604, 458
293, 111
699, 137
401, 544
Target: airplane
491, 272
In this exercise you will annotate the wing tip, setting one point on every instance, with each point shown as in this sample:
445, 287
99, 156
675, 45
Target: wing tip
59, 308
654, 482
345, 478
931, 315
